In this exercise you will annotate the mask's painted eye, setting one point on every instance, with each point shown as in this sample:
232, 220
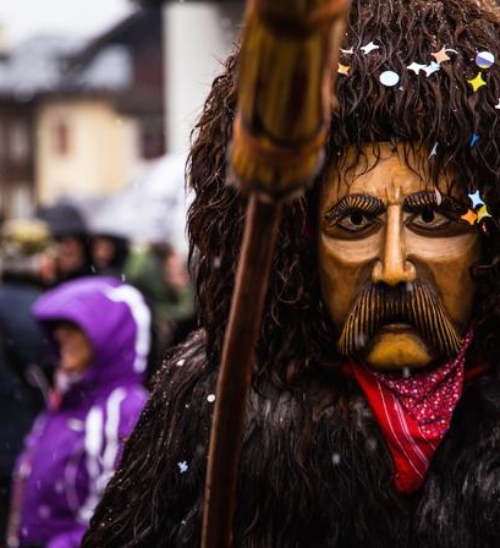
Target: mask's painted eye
428, 219
428, 216
357, 218
355, 215
356, 221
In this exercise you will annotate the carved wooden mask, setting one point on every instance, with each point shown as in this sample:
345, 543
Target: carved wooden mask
395, 258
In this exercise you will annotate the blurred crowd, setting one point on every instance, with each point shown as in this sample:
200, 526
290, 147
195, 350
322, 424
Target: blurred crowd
85, 319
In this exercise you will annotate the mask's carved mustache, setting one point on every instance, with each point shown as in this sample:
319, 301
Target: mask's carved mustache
413, 304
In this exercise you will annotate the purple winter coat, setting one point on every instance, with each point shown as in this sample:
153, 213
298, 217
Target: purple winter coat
73, 449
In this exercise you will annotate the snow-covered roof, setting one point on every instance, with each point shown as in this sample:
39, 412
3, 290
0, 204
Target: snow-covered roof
46, 64
110, 69
35, 65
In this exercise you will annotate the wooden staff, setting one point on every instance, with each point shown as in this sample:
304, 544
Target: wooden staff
288, 63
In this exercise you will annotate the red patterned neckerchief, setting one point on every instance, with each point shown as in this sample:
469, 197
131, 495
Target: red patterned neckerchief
413, 413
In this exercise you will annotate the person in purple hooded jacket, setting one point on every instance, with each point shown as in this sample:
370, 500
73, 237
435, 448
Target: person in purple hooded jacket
100, 329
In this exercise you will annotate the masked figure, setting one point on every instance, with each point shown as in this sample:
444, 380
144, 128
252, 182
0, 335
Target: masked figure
375, 403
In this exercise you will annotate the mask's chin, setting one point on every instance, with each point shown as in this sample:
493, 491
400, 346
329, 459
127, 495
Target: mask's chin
398, 346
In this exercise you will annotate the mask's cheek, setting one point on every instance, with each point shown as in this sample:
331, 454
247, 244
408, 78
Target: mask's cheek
447, 262
345, 267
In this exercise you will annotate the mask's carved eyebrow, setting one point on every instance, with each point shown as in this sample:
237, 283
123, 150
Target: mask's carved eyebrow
363, 203
437, 200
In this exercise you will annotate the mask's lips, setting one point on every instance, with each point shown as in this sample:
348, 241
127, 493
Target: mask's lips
395, 327
400, 335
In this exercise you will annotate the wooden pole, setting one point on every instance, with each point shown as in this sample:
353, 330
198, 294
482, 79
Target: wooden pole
288, 63
234, 378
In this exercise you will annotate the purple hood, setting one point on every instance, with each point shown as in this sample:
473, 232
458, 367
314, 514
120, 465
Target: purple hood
119, 335
75, 445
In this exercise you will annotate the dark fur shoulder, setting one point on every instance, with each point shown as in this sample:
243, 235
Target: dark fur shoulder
304, 469
460, 502
316, 479
312, 474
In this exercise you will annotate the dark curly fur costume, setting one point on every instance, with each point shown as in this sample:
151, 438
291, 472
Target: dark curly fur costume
315, 471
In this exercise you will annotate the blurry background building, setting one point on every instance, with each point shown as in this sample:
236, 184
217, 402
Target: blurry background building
80, 121
103, 121
94, 139
86, 120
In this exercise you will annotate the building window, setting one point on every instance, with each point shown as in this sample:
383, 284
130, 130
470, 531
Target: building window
19, 142
21, 200
152, 141
16, 201
3, 144
3, 205
61, 138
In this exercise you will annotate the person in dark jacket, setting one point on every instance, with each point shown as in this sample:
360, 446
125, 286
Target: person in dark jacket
100, 330
373, 418
110, 253
72, 250
161, 274
25, 365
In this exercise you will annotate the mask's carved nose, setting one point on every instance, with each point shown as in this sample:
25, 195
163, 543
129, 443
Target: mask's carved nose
393, 266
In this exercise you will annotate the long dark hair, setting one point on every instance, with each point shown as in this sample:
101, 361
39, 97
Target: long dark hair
439, 112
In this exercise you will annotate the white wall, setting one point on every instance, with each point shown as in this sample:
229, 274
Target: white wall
198, 37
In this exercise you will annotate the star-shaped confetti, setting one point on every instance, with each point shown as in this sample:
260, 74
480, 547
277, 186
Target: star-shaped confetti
416, 67
431, 68
482, 213
477, 82
183, 466
343, 69
476, 199
441, 56
470, 217
497, 106
473, 140
349, 51
369, 48
437, 194
434, 152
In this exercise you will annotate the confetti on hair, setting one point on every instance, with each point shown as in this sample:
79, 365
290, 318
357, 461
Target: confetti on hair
183, 466
470, 217
431, 68
497, 106
476, 199
482, 212
441, 56
479, 211
343, 69
437, 194
473, 140
477, 82
369, 48
416, 67
389, 78
485, 59
349, 51
434, 151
